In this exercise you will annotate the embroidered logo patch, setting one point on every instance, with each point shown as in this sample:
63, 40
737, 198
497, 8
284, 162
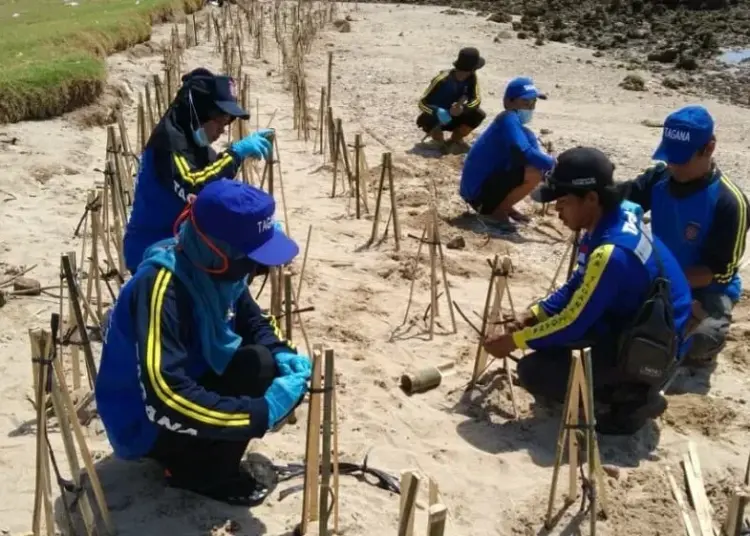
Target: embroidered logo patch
692, 230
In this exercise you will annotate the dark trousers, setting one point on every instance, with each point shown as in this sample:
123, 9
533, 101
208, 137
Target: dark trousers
496, 188
250, 373
472, 117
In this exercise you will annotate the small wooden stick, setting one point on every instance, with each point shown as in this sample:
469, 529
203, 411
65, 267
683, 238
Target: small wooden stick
74, 293
329, 81
376, 218
357, 156
325, 485
684, 511
409, 486
433, 276
304, 264
437, 517
446, 286
394, 207
312, 449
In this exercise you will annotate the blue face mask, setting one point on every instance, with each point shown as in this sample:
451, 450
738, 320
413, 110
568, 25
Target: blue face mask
200, 138
525, 115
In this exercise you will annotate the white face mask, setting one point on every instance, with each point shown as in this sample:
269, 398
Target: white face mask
525, 115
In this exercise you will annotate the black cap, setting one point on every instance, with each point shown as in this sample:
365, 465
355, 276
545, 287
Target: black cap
469, 60
217, 90
579, 169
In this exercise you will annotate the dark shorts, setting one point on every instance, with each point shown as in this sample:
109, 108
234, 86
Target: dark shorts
710, 336
471, 118
496, 188
250, 373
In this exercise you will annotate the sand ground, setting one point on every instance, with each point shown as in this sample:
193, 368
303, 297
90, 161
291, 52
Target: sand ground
493, 471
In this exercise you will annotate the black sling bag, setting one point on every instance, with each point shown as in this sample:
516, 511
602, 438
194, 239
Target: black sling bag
648, 347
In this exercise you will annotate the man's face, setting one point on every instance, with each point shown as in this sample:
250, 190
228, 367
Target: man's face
698, 165
215, 127
575, 212
522, 104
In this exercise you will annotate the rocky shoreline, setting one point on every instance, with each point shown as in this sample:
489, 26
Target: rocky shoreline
679, 40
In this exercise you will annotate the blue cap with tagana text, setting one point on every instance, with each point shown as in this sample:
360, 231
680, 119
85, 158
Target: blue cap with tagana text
242, 216
686, 131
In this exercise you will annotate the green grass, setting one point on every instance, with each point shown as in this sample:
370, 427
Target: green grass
52, 54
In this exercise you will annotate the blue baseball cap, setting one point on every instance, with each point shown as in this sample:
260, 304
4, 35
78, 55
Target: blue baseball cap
686, 131
242, 216
523, 87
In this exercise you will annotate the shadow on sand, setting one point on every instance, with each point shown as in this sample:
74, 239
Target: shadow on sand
537, 434
140, 504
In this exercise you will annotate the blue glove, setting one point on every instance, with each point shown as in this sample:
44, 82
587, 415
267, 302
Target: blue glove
283, 396
290, 363
255, 145
444, 116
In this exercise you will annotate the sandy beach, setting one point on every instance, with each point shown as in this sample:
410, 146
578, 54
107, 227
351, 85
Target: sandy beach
493, 471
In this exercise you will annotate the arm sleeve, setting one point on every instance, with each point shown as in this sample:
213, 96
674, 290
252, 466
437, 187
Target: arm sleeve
475, 96
180, 169
434, 85
639, 189
173, 398
530, 152
257, 328
558, 300
605, 271
724, 245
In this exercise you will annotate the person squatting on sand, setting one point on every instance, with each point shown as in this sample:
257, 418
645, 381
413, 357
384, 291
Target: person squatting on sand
191, 369
635, 327
178, 159
701, 216
451, 101
506, 163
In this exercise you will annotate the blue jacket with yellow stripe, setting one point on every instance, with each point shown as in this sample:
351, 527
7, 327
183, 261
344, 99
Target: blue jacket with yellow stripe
172, 167
445, 89
151, 362
704, 222
616, 267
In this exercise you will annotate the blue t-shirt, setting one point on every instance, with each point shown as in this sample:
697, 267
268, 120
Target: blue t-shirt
505, 144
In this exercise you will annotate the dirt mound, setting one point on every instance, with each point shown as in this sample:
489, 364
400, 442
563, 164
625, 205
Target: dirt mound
710, 416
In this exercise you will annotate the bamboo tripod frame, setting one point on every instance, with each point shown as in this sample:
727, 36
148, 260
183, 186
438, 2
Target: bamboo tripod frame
386, 169
580, 394
498, 288
321, 487
431, 237
50, 385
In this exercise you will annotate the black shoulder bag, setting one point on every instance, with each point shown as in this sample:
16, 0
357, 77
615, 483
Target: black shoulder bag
648, 347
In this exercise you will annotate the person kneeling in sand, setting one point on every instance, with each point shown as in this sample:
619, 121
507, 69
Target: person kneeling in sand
628, 300
506, 163
451, 101
191, 369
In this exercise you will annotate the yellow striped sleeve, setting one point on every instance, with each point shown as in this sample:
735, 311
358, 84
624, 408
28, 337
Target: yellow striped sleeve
477, 95
740, 236
197, 177
160, 386
433, 84
595, 267
277, 331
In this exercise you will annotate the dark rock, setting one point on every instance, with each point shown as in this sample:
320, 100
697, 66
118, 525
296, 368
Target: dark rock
456, 243
26, 286
687, 63
522, 35
559, 36
343, 26
451, 12
672, 83
633, 82
3, 300
664, 56
500, 16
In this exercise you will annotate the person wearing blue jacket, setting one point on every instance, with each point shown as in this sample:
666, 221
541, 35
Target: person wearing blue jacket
701, 215
616, 267
191, 369
178, 159
506, 163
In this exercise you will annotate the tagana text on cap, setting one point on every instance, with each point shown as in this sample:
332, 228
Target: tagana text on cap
523, 87
242, 216
686, 131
